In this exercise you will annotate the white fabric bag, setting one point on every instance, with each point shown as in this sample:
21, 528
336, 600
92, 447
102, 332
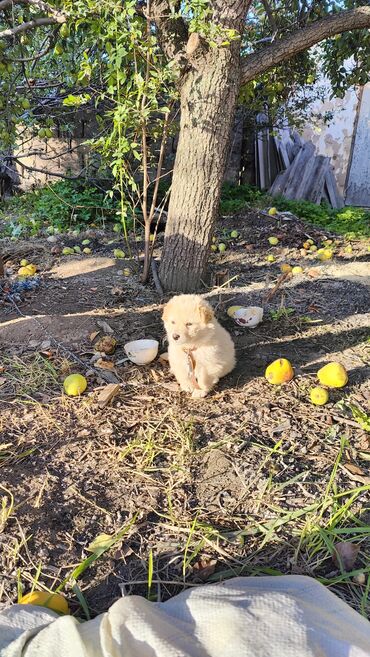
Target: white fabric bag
290, 616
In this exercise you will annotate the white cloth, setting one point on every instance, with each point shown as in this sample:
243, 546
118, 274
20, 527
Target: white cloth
290, 616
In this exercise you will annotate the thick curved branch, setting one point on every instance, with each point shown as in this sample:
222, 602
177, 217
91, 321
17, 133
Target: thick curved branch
266, 58
172, 31
29, 25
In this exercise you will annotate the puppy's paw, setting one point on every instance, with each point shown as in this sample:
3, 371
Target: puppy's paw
186, 387
199, 394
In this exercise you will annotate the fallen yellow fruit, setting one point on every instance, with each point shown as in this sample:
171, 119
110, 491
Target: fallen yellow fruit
333, 375
273, 241
24, 263
324, 254
280, 371
286, 268
232, 310
272, 212
74, 384
52, 601
297, 270
270, 258
306, 245
319, 396
28, 270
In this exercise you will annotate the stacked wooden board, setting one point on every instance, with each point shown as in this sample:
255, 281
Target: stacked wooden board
304, 175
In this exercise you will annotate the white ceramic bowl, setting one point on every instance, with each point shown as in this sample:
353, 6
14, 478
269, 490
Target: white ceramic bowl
251, 316
141, 352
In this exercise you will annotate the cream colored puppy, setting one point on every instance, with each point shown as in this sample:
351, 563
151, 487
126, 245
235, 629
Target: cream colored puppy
200, 351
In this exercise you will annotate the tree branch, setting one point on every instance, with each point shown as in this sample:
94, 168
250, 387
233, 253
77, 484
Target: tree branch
36, 22
266, 58
172, 29
39, 4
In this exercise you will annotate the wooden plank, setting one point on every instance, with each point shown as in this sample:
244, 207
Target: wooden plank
334, 197
305, 182
278, 185
296, 170
284, 154
314, 191
358, 188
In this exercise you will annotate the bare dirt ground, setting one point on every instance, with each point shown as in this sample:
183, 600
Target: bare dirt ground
252, 480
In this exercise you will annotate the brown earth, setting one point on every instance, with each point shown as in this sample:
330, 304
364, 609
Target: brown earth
250, 479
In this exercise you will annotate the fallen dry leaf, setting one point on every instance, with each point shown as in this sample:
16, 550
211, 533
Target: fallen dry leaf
104, 364
93, 335
116, 291
106, 344
105, 326
314, 273
155, 375
354, 469
173, 387
345, 555
204, 568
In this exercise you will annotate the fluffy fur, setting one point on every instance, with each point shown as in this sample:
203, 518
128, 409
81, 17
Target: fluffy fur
191, 325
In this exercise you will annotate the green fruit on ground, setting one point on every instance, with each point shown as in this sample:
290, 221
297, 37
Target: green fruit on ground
24, 263
214, 238
319, 396
270, 258
67, 251
48, 133
232, 310
117, 228
74, 384
348, 249
313, 248
85, 242
86, 250
333, 375
58, 50
234, 234
118, 253
42, 133
77, 249
273, 240
213, 247
126, 272
272, 212
222, 247
25, 103
310, 241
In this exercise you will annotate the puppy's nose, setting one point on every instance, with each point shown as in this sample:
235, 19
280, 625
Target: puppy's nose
175, 336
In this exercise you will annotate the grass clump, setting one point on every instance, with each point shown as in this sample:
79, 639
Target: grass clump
349, 221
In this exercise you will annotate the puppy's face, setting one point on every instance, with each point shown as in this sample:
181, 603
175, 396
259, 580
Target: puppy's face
187, 319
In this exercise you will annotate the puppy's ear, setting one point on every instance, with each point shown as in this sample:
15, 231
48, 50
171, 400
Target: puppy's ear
206, 312
165, 312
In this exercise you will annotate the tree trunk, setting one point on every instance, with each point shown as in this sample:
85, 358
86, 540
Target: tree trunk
208, 102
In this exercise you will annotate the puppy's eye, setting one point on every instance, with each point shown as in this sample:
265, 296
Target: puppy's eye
189, 324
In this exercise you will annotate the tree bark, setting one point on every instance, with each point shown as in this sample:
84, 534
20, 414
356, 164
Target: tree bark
209, 94
208, 100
